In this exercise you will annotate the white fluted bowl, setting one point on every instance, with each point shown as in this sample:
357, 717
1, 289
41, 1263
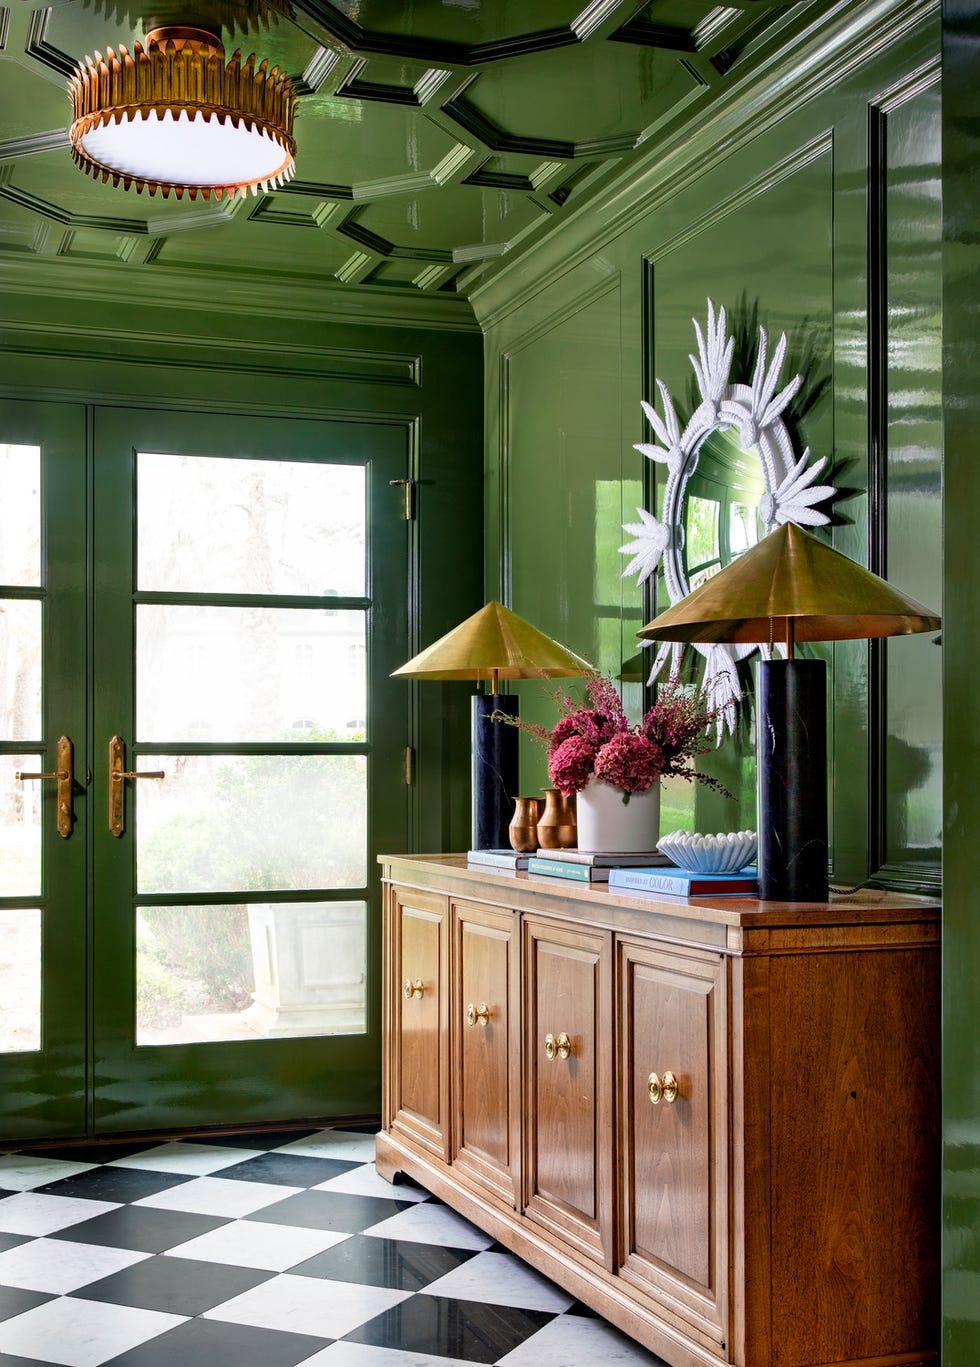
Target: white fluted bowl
710, 853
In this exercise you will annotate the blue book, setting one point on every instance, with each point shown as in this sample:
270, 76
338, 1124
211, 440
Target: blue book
558, 868
682, 882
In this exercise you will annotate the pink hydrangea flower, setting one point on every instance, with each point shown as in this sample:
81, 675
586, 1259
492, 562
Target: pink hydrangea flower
630, 761
571, 763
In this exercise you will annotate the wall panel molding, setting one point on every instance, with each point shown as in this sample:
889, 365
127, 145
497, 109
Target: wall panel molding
885, 789
528, 338
183, 352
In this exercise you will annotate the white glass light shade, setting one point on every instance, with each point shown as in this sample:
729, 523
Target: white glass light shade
188, 151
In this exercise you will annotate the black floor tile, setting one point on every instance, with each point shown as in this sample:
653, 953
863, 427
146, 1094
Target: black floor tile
361, 1127
140, 1228
14, 1301
8, 1360
445, 1327
395, 1263
583, 1311
287, 1169
179, 1286
12, 1240
332, 1210
102, 1152
264, 1139
114, 1184
4, 1192
221, 1345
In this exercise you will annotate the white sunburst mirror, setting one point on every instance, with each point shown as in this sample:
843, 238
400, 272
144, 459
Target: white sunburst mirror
752, 414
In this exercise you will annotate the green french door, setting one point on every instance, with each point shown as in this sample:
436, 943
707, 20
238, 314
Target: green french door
198, 617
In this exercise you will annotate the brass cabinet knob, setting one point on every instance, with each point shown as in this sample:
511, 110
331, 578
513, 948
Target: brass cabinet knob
475, 1014
416, 989
662, 1089
557, 1046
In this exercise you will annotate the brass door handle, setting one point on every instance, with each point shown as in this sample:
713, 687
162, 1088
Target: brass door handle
64, 776
559, 1046
478, 1014
413, 989
117, 791
662, 1089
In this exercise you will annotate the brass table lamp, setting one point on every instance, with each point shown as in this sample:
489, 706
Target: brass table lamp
789, 588
491, 645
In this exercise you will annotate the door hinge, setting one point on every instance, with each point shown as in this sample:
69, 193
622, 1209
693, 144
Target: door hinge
409, 765
408, 489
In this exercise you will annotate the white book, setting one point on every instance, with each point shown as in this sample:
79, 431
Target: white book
607, 859
498, 859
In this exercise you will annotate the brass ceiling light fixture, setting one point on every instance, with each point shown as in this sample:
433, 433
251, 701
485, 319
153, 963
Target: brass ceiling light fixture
173, 115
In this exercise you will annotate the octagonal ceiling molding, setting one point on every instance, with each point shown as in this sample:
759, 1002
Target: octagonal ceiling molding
342, 28
388, 116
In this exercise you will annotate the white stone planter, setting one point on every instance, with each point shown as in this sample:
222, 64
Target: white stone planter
608, 825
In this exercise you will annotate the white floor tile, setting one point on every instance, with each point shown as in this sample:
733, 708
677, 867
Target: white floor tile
20, 1173
33, 1212
246, 1243
429, 1224
59, 1266
366, 1355
218, 1196
307, 1305
196, 1160
347, 1146
367, 1181
501, 1279
577, 1339
80, 1333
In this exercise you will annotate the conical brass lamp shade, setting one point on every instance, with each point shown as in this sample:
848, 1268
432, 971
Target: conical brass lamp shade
494, 644
791, 587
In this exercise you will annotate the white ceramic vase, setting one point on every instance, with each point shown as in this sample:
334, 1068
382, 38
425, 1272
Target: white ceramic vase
608, 825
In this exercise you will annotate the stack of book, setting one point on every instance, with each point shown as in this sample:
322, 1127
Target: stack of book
584, 867
648, 873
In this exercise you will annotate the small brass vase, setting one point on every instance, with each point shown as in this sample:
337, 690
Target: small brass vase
556, 824
523, 828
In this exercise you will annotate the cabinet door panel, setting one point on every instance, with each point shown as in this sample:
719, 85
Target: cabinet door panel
418, 1015
568, 1099
674, 1147
486, 1019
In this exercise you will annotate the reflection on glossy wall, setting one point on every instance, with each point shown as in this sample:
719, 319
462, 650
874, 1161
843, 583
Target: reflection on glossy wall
777, 231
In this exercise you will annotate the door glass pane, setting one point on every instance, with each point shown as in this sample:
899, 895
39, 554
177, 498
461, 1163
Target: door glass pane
20, 973
249, 674
261, 971
250, 526
20, 669
20, 827
20, 499
251, 822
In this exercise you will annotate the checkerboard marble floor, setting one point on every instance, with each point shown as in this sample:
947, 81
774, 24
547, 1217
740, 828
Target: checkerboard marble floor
275, 1250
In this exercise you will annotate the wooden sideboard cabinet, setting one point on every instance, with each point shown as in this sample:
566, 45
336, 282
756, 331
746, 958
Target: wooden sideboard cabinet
713, 1120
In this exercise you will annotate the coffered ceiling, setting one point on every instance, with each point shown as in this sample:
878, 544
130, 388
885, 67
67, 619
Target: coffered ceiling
434, 137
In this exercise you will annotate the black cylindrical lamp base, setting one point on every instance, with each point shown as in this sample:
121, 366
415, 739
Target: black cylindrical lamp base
791, 777
495, 759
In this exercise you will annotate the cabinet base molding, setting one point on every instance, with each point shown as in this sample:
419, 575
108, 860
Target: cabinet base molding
589, 1284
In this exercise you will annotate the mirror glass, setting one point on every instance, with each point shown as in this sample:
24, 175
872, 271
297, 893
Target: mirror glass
720, 506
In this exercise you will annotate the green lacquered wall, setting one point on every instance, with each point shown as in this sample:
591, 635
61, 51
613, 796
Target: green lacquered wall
961, 847
809, 206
